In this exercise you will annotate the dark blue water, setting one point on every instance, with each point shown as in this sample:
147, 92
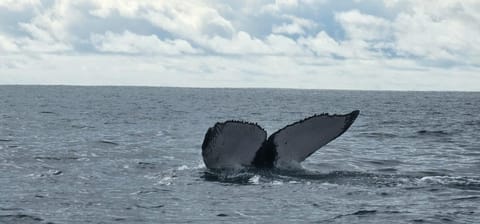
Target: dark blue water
132, 155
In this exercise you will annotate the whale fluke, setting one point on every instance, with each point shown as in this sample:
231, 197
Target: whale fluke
232, 144
236, 144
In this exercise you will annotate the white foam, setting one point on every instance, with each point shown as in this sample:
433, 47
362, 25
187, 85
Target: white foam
11, 165
277, 182
200, 165
243, 214
160, 133
449, 180
436, 179
182, 167
327, 184
166, 181
254, 180
168, 157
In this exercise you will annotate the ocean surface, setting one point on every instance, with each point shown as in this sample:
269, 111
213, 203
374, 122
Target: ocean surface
133, 155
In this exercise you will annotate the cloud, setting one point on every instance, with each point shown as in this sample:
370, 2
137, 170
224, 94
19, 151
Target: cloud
244, 44
359, 26
132, 43
19, 5
323, 45
279, 5
47, 31
187, 19
297, 26
7, 44
439, 32
359, 44
240, 43
287, 5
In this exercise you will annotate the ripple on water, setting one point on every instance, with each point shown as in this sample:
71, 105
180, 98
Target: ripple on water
145, 206
241, 177
357, 213
107, 142
146, 165
48, 112
280, 177
164, 185
56, 158
465, 183
377, 135
385, 162
437, 133
20, 218
466, 198
10, 209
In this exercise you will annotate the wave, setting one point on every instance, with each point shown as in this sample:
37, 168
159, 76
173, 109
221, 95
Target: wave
231, 177
377, 135
433, 133
462, 182
20, 218
472, 122
357, 213
303, 176
384, 162
48, 112
108, 142
56, 158
295, 176
466, 198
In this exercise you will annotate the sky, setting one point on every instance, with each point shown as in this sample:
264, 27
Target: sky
313, 44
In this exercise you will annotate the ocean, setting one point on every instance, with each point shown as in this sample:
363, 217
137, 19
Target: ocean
133, 155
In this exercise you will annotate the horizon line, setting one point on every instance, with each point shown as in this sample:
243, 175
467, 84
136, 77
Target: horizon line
233, 87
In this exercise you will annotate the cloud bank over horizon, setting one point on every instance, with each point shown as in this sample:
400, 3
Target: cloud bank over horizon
318, 44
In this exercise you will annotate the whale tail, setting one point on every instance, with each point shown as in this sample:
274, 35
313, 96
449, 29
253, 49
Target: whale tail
232, 144
236, 144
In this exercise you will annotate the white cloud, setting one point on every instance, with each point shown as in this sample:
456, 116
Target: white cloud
240, 43
7, 44
25, 45
444, 31
19, 5
284, 45
48, 31
282, 5
217, 71
323, 45
297, 26
188, 19
359, 26
279, 5
132, 43
391, 44
244, 44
